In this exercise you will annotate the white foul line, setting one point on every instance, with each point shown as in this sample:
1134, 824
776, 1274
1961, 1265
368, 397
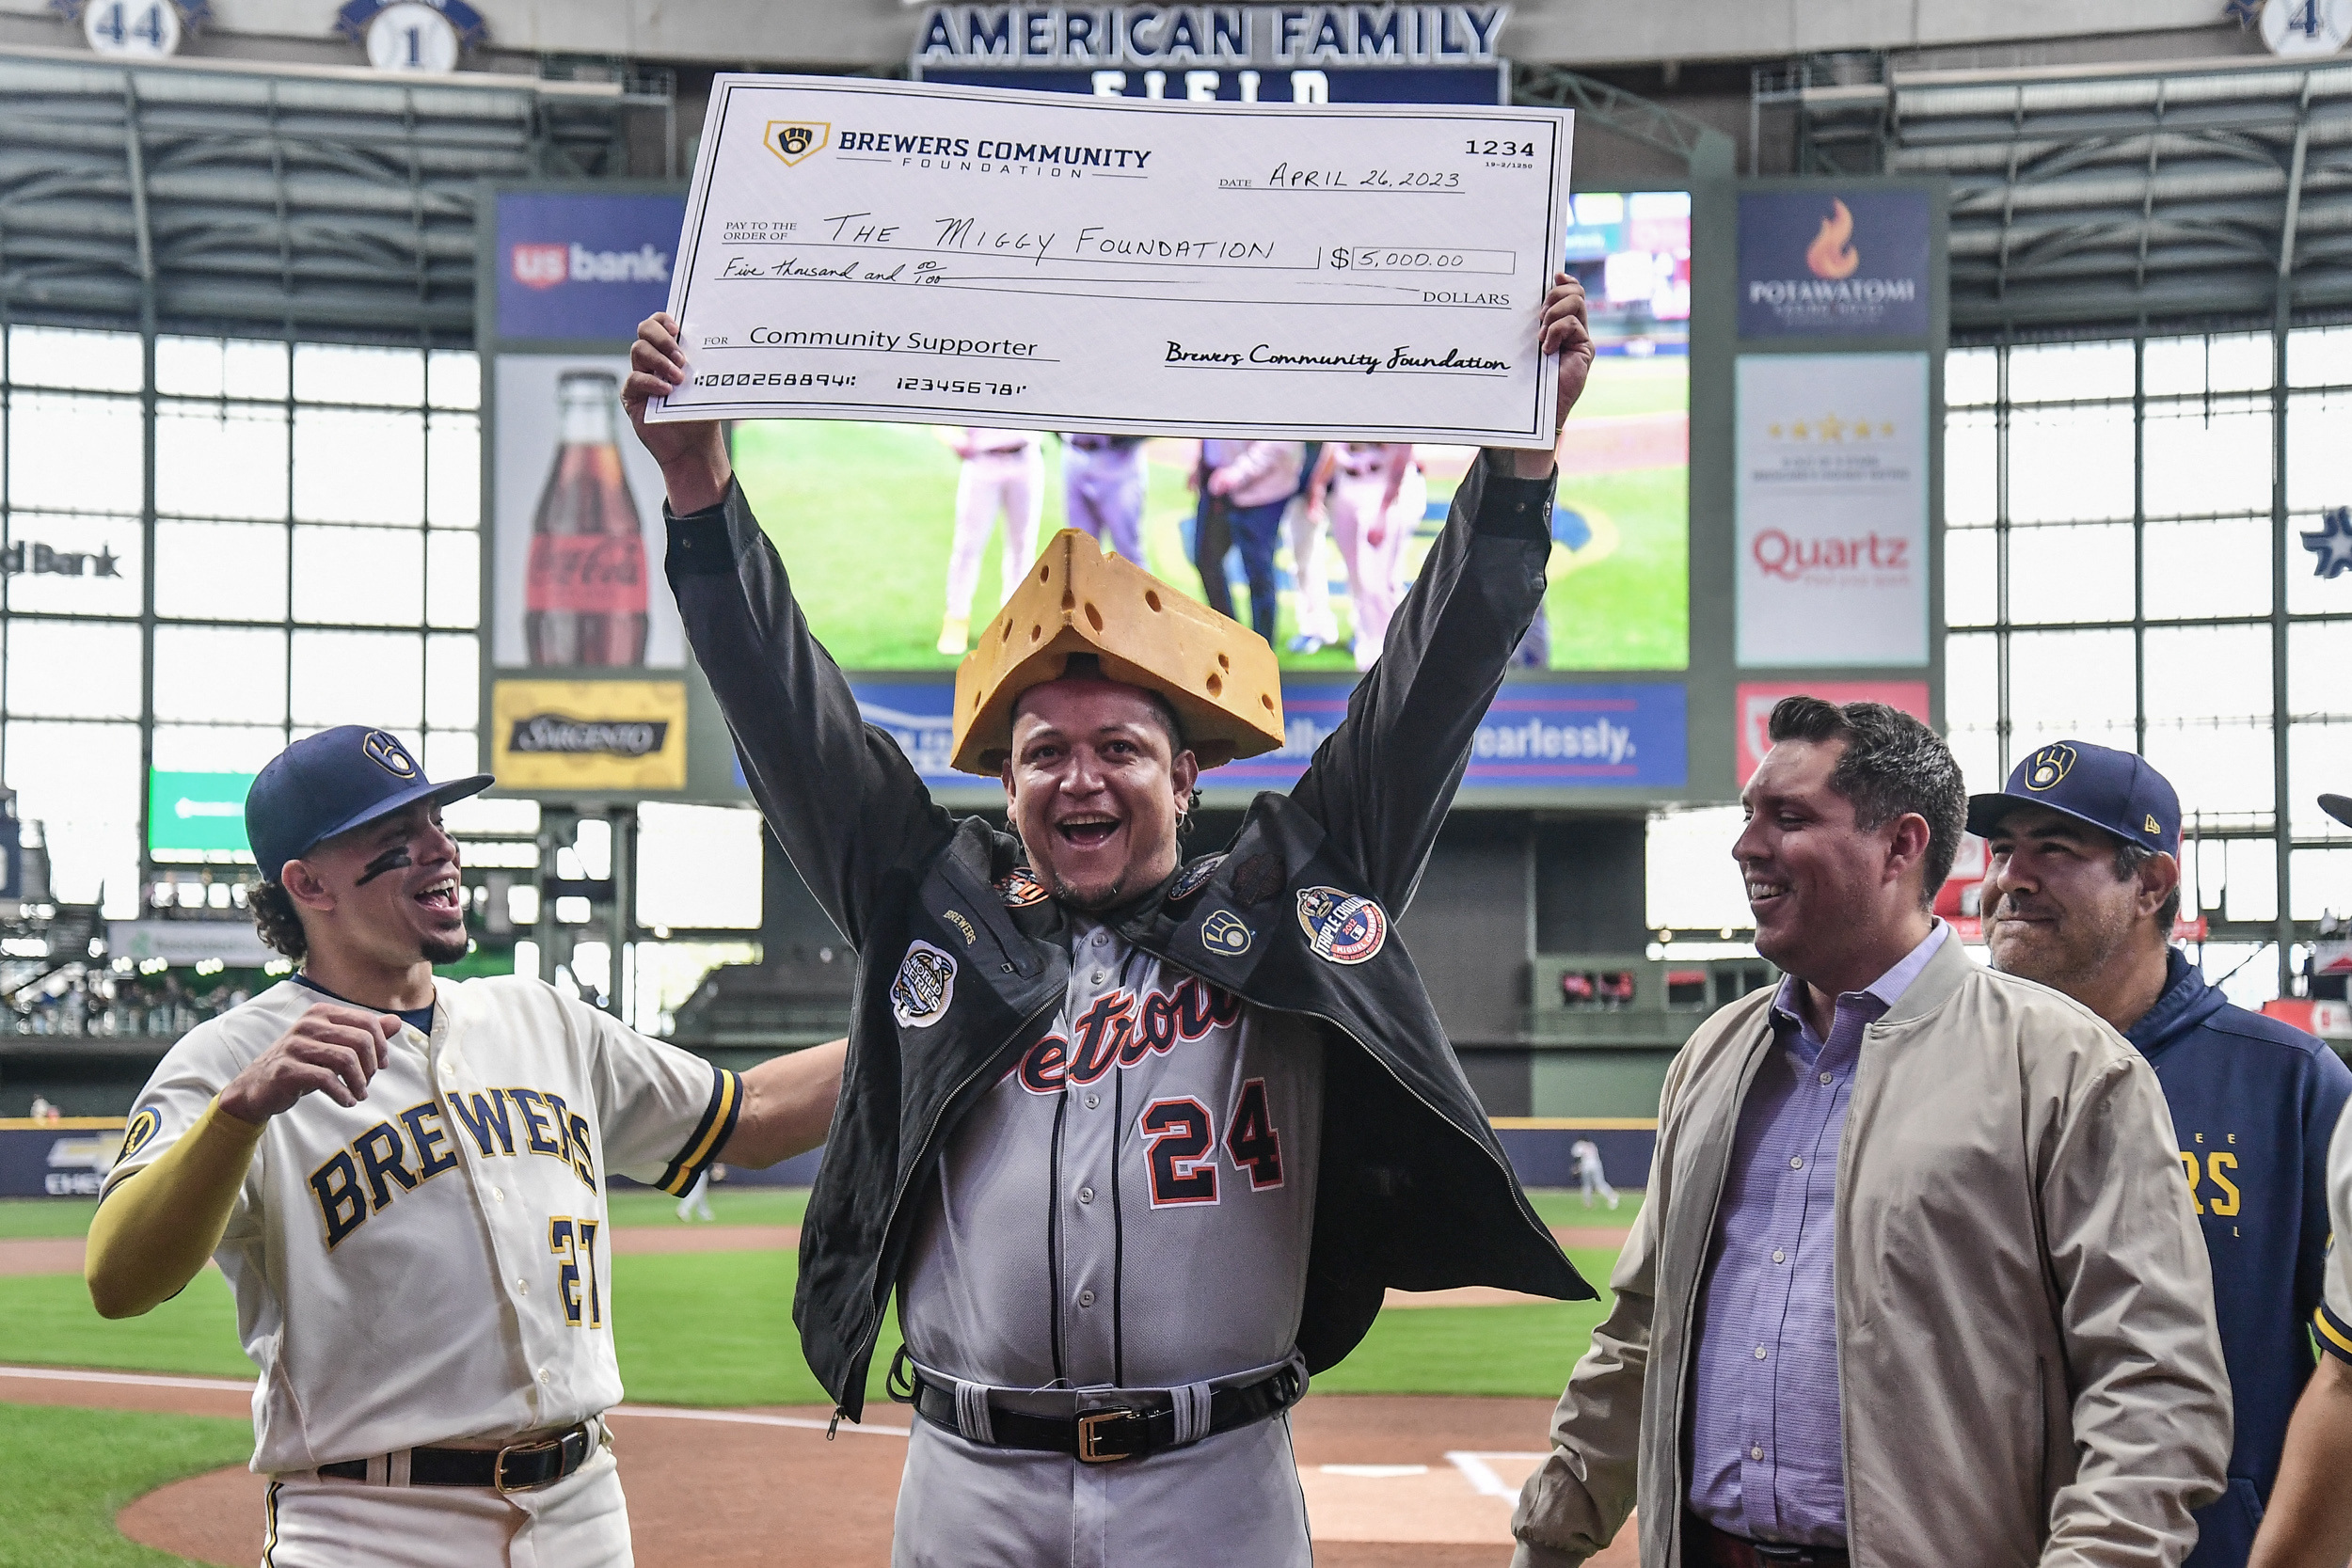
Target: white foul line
1481, 1475
64, 1374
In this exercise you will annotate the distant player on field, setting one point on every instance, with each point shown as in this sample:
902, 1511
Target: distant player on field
404, 1180
1003, 476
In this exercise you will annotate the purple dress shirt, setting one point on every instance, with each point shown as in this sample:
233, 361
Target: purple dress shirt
1767, 1448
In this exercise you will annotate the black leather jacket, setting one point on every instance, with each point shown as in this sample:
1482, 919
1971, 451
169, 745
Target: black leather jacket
1413, 1190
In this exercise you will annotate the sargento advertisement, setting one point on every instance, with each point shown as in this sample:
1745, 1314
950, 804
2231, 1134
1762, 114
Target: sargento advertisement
588, 735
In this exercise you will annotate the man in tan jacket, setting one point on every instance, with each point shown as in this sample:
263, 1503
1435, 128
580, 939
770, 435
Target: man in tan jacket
1918, 1270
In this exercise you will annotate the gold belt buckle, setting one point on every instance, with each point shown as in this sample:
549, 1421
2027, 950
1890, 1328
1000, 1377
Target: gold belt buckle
1090, 1434
498, 1471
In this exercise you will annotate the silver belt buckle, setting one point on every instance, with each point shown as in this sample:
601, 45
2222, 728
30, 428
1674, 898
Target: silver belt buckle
1090, 1435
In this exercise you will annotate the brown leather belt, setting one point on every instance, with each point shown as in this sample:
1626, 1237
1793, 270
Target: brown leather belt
1708, 1547
515, 1467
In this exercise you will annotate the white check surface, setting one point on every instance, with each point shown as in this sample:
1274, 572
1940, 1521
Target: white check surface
1033, 261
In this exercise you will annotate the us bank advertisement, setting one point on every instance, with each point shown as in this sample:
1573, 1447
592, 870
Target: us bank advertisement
1832, 505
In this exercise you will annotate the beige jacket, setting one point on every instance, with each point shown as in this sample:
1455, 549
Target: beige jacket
2029, 1371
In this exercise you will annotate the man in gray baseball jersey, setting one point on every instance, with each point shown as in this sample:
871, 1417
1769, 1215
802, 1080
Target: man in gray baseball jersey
1103, 484
1139, 1143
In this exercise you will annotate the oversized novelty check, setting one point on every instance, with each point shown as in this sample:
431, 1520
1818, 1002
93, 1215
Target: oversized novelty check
965, 256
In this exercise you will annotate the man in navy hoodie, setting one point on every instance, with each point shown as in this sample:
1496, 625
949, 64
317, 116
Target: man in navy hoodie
2084, 885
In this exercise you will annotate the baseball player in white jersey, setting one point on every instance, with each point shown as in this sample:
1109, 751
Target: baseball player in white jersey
404, 1180
1003, 476
1138, 1143
1374, 494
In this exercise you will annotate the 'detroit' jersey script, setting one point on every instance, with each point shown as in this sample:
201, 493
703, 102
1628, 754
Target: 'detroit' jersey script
431, 1265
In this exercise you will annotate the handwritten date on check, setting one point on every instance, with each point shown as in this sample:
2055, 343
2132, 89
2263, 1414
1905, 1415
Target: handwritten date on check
879, 250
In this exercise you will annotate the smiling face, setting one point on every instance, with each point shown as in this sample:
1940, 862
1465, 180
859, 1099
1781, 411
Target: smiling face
1828, 895
1094, 788
2054, 909
385, 893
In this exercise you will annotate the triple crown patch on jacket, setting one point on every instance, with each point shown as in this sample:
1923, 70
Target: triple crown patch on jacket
1340, 928
924, 986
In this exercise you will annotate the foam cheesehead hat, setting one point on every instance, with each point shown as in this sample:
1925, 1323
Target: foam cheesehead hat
2111, 790
1219, 675
332, 782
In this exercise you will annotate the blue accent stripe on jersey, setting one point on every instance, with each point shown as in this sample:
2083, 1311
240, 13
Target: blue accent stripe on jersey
710, 1134
2335, 1335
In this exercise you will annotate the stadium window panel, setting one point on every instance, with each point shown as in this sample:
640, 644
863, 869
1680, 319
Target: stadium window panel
2319, 761
75, 359
2319, 356
699, 866
452, 682
222, 674
483, 817
2213, 566
370, 576
73, 669
2239, 362
358, 677
220, 459
2080, 573
1972, 692
1972, 470
2250, 889
2319, 459
1693, 884
452, 475
354, 373
216, 748
2198, 672
2069, 681
78, 565
358, 465
82, 783
2070, 464
1972, 376
1978, 749
2221, 770
452, 378
2199, 464
1971, 576
2322, 882
2315, 685
220, 571
452, 579
2173, 366
220, 368
452, 754
2070, 372
75, 453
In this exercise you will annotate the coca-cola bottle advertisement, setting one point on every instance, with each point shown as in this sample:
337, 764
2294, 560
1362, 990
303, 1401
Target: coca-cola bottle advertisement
579, 524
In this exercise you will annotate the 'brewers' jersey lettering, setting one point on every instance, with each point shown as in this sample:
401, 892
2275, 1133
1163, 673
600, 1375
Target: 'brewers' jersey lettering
337, 1186
429, 1165
488, 1116
532, 1104
2225, 1201
381, 1152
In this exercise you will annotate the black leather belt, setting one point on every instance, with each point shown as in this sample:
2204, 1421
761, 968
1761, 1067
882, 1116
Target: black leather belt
1709, 1547
516, 1467
1143, 1424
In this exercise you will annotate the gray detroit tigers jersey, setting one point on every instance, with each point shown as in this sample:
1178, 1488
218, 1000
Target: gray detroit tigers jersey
1130, 1207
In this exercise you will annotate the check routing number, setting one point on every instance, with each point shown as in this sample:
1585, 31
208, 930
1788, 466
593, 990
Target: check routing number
966, 256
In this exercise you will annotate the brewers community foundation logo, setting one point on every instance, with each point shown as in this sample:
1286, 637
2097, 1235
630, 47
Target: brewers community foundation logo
1340, 927
795, 139
924, 986
2050, 765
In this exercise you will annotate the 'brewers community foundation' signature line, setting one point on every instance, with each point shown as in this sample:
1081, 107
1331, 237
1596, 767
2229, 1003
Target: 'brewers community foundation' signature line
1399, 358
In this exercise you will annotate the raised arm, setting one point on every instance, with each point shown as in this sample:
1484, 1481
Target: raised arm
839, 795
1381, 782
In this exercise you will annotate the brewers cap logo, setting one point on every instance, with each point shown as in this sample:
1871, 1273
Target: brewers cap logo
1019, 889
1223, 933
924, 986
2050, 765
141, 1132
793, 140
388, 755
1340, 928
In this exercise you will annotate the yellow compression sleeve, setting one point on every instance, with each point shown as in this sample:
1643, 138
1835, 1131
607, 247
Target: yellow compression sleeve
154, 1232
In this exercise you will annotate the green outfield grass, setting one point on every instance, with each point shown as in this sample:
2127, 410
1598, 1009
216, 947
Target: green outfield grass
70, 1472
22, 1218
716, 1328
1631, 609
1622, 386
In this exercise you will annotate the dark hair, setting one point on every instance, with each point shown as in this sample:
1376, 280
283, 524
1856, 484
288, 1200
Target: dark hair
277, 920
1893, 766
2129, 858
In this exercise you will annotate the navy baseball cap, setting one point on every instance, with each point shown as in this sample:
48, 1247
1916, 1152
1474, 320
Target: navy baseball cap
2114, 791
331, 783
